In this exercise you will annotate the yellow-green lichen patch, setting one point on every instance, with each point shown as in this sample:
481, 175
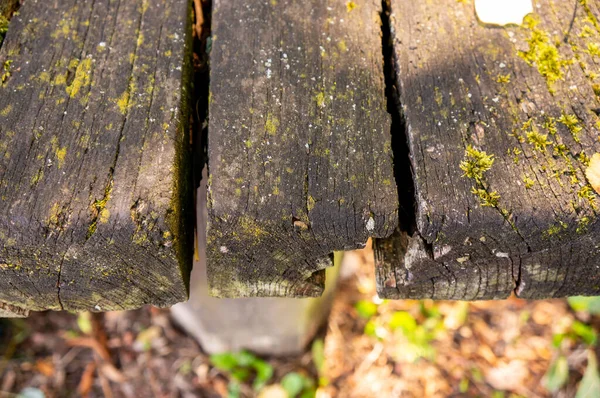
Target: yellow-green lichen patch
272, 124
61, 153
476, 163
528, 182
503, 78
53, 214
98, 208
542, 52
320, 99
538, 140
555, 229
583, 224
572, 123
44, 77
250, 227
104, 216
310, 203
4, 112
6, 71
123, 102
350, 6
37, 177
486, 198
593, 49
587, 193
82, 77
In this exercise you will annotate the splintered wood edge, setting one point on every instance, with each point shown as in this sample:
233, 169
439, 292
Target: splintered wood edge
11, 311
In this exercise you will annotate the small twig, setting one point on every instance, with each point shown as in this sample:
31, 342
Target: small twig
370, 359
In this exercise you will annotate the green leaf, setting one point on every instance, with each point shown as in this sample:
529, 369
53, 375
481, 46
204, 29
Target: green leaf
557, 374
588, 304
311, 392
240, 374
477, 375
404, 321
293, 383
428, 309
586, 332
366, 309
225, 361
557, 339
245, 359
318, 355
463, 387
264, 372
589, 387
84, 322
371, 328
234, 390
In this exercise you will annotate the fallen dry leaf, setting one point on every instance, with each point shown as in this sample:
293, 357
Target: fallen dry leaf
45, 367
593, 172
508, 376
273, 391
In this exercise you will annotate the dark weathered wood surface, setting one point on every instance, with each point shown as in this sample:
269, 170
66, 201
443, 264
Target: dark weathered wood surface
527, 96
95, 200
300, 162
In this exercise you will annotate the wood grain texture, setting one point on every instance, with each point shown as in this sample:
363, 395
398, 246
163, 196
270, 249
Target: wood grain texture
94, 155
300, 162
500, 123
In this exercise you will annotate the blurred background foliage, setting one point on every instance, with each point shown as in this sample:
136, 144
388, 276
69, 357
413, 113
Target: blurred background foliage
369, 348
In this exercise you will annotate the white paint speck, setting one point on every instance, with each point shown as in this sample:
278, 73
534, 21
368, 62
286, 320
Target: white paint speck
224, 249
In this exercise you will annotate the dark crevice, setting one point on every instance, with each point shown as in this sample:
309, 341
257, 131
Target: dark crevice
201, 84
200, 93
403, 172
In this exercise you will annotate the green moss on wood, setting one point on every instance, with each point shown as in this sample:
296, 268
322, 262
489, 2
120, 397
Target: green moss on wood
98, 208
572, 123
476, 163
542, 53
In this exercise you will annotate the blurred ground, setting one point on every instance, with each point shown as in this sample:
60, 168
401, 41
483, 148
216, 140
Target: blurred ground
372, 348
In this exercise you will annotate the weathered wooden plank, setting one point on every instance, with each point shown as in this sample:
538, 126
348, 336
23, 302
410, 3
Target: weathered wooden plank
501, 124
94, 168
299, 142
